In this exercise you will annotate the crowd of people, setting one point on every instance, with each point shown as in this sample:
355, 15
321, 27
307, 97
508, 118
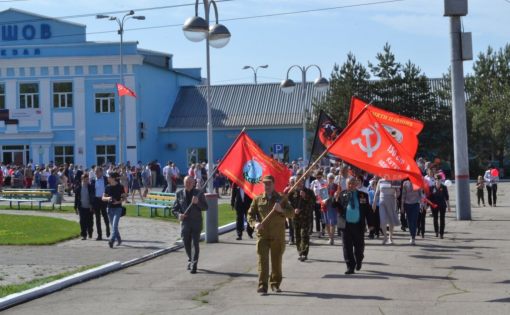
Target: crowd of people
337, 201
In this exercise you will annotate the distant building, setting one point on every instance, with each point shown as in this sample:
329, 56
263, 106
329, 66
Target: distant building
58, 100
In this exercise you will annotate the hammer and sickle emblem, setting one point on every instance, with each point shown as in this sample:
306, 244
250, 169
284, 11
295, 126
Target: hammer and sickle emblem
367, 132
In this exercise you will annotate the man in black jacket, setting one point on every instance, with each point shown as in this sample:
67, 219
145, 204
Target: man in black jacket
354, 208
99, 184
191, 219
83, 197
241, 203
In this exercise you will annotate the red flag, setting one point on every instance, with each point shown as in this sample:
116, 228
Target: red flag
405, 130
124, 90
365, 143
245, 164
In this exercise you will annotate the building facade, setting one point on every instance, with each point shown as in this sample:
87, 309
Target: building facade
58, 97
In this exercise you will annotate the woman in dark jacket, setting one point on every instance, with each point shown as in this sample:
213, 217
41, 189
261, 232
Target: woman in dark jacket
439, 197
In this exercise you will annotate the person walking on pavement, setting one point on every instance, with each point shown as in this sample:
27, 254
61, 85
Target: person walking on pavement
479, 190
241, 202
303, 202
491, 178
386, 195
354, 208
270, 235
411, 205
114, 194
439, 197
99, 206
188, 206
83, 196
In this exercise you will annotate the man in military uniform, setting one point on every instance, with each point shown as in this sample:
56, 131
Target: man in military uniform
302, 200
354, 208
271, 234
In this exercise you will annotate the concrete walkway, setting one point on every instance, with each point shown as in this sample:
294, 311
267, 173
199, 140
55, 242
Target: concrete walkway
468, 272
140, 237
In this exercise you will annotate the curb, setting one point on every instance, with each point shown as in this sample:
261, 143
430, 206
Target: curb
48, 288
51, 287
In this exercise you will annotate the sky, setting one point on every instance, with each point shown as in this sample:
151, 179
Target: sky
415, 29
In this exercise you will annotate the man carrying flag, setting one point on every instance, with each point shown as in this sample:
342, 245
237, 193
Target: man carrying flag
270, 235
261, 178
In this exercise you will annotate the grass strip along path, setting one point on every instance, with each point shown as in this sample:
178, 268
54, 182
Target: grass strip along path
15, 288
35, 230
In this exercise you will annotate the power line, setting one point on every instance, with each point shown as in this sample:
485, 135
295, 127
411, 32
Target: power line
66, 17
248, 17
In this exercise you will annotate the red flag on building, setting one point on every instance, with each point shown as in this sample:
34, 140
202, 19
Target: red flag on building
366, 144
404, 130
124, 90
245, 164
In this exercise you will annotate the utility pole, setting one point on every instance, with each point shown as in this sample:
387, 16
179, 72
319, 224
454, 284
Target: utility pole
460, 50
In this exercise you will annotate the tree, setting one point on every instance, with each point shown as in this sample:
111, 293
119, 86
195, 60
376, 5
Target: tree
347, 80
489, 105
405, 90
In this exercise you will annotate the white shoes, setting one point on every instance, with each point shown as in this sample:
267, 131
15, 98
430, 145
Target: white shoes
331, 241
390, 241
412, 242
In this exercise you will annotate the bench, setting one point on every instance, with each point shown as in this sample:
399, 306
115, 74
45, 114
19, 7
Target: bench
155, 201
27, 195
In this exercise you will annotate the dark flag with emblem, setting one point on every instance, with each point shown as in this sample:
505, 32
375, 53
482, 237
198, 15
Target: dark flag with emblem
245, 164
325, 134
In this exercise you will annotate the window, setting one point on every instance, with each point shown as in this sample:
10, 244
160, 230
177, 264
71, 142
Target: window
2, 96
196, 155
62, 94
105, 103
105, 153
64, 154
29, 95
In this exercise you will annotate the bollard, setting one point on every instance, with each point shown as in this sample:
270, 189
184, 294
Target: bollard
211, 218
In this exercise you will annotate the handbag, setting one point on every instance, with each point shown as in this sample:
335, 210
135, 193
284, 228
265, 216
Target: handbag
123, 213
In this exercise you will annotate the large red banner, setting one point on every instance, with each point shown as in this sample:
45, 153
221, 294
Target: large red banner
403, 129
246, 164
365, 143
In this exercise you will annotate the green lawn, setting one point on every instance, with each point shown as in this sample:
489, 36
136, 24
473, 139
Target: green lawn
15, 288
33, 230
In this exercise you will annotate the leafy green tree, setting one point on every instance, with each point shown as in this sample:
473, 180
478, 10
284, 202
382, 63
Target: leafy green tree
488, 105
405, 90
351, 78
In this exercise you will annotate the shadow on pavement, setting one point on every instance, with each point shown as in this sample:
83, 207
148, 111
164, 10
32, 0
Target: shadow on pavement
504, 300
230, 274
429, 257
464, 268
407, 276
355, 276
328, 296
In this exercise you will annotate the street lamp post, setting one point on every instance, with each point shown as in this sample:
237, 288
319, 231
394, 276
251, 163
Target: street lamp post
120, 22
255, 70
197, 29
288, 86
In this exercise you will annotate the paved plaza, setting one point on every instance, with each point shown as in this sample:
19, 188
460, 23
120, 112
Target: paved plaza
465, 273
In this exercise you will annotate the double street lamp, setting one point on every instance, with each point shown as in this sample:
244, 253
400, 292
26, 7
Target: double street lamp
288, 86
120, 22
217, 35
255, 70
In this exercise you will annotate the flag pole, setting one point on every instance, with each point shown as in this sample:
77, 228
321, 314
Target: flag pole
308, 170
315, 163
201, 190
